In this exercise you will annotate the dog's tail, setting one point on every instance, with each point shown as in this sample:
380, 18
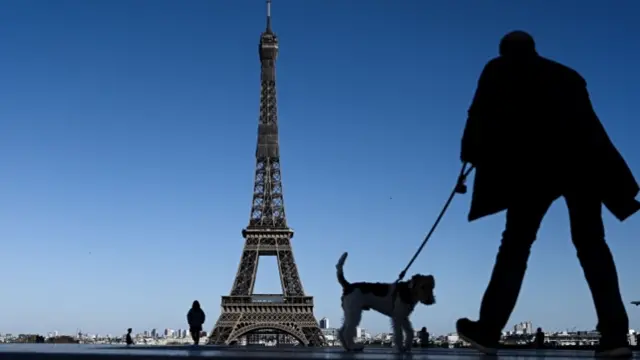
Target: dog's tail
339, 271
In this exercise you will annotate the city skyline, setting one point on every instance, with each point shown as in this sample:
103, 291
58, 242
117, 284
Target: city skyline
128, 147
521, 327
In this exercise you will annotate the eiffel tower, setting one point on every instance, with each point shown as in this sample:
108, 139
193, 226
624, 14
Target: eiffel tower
290, 312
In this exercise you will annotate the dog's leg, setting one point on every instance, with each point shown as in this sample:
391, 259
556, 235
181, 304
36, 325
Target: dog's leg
342, 338
396, 324
408, 333
341, 331
352, 317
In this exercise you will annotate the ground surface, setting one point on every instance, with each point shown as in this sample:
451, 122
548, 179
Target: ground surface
50, 352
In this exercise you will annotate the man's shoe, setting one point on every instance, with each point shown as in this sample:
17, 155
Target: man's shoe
473, 333
608, 349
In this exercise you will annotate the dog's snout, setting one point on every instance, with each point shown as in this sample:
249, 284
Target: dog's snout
430, 301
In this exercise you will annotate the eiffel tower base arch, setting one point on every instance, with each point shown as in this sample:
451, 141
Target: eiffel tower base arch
294, 318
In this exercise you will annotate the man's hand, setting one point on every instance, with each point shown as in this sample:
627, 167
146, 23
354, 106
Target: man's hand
461, 187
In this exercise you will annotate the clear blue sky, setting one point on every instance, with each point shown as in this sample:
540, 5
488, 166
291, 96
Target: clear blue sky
127, 139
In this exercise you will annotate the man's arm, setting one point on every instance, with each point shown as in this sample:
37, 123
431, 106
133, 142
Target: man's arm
595, 131
585, 124
479, 112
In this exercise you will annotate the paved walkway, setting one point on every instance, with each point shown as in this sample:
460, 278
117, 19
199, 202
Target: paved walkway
89, 352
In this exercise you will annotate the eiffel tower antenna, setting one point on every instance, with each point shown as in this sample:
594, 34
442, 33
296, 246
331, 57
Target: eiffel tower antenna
268, 15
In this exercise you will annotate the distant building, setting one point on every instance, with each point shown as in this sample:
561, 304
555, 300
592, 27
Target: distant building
331, 335
528, 328
324, 323
523, 328
517, 328
453, 338
632, 337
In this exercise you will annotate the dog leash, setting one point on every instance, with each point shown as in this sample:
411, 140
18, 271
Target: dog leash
460, 188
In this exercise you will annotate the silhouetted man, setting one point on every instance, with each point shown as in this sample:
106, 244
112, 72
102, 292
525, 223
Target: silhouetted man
129, 339
424, 338
533, 136
540, 339
195, 318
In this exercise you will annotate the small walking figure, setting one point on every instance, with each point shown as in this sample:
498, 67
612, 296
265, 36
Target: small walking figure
424, 337
195, 318
540, 339
128, 339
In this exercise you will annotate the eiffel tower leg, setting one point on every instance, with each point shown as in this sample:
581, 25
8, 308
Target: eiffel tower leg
290, 312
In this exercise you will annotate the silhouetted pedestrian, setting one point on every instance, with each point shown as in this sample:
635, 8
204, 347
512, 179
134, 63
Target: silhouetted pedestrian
195, 318
129, 339
533, 136
539, 339
424, 337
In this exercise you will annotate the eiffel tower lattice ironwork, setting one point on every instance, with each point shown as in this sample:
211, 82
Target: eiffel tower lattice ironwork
291, 311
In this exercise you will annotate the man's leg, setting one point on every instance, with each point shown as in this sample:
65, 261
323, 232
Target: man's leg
523, 222
587, 233
195, 335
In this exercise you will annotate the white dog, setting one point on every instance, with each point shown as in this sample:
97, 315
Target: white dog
395, 301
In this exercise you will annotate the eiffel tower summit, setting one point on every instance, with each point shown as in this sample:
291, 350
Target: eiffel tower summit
291, 311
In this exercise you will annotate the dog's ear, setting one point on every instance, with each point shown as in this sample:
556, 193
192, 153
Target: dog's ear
415, 280
424, 281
